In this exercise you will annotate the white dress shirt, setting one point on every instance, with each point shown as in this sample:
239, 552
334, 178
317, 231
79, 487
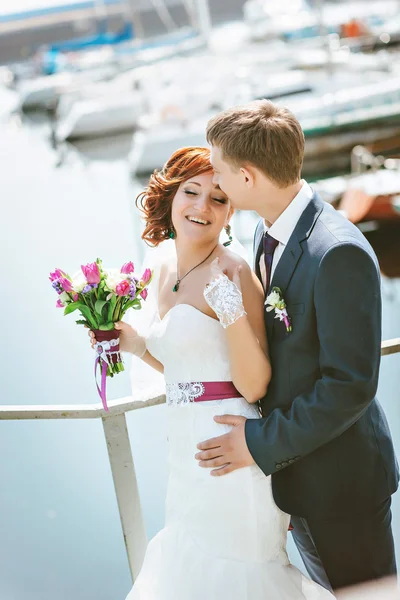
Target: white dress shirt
284, 226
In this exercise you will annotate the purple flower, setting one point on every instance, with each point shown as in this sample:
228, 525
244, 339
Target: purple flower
146, 276
144, 293
127, 268
86, 289
91, 272
132, 290
57, 286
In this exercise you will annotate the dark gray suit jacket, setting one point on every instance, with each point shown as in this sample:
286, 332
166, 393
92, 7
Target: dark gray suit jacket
323, 435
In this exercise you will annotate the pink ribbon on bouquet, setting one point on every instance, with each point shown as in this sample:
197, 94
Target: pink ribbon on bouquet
102, 390
105, 352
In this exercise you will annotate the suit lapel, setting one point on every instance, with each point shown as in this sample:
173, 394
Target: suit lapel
293, 251
286, 265
292, 254
282, 276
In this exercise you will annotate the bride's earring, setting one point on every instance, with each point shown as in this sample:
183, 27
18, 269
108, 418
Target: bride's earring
172, 233
228, 230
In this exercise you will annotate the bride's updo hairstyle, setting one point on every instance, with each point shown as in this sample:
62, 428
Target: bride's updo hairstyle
156, 201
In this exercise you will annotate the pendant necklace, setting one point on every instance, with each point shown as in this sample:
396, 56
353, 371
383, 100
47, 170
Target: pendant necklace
178, 281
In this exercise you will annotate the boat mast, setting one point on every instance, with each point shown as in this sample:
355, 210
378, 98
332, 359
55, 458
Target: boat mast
133, 15
164, 14
323, 32
202, 11
101, 14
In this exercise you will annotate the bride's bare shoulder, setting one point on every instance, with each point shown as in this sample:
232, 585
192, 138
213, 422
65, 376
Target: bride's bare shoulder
232, 258
229, 261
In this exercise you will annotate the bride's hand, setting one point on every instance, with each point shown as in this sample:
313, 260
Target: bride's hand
224, 295
129, 340
217, 272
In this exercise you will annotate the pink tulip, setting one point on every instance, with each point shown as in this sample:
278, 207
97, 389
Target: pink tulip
66, 284
91, 272
123, 288
146, 276
75, 297
144, 293
57, 274
59, 304
127, 268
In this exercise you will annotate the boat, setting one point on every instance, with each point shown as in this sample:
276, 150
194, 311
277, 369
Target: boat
298, 19
370, 198
268, 20
92, 110
101, 116
42, 91
333, 123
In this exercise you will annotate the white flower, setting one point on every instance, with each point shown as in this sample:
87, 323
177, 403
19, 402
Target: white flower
113, 278
64, 298
79, 282
273, 299
276, 303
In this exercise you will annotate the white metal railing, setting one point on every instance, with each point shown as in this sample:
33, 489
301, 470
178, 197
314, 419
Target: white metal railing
120, 454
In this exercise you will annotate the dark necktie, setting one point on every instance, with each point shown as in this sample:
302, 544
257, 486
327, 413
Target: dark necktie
269, 244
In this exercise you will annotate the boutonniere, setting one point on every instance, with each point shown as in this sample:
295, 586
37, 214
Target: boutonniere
276, 302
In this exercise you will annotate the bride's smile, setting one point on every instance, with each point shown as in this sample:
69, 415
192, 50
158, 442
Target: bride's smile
200, 210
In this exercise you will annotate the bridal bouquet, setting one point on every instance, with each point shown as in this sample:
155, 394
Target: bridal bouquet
102, 296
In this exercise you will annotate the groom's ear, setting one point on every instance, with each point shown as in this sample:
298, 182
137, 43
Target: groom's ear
249, 176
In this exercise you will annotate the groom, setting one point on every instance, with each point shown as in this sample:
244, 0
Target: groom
323, 437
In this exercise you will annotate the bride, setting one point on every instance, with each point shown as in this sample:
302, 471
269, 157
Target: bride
224, 537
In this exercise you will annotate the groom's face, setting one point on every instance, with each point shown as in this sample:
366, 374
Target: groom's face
230, 180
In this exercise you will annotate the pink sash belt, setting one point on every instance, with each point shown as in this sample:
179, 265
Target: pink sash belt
217, 390
197, 391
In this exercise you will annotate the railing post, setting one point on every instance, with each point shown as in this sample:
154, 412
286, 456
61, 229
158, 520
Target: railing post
126, 489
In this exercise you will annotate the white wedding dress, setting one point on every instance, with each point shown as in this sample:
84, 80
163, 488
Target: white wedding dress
224, 537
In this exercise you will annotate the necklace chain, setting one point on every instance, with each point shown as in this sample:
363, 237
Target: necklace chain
179, 279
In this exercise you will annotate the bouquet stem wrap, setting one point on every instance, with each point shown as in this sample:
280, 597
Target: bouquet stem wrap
109, 359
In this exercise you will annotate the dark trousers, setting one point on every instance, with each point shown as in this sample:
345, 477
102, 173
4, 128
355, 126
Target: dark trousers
347, 550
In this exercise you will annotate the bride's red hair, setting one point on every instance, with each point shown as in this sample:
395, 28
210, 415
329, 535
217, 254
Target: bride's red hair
156, 201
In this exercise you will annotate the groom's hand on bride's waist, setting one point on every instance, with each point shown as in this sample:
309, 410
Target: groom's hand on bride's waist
227, 452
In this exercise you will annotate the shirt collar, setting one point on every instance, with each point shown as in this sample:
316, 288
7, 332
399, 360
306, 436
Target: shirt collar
285, 224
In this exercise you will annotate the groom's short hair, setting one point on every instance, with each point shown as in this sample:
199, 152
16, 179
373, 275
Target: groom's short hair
263, 134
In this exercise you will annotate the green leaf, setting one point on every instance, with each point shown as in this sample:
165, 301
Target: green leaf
111, 307
89, 316
99, 306
85, 310
82, 322
116, 316
71, 307
107, 326
135, 304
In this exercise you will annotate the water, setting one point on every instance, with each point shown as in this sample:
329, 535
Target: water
60, 530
